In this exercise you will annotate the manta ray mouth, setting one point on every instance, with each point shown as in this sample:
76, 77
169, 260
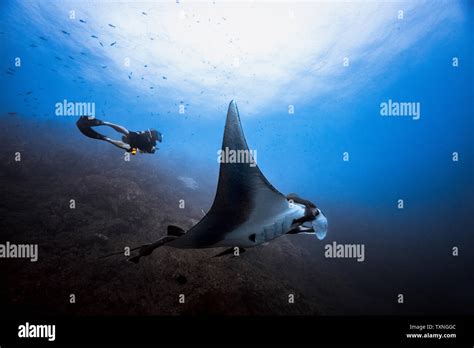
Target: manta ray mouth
320, 226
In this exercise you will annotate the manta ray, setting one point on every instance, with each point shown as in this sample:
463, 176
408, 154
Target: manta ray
247, 210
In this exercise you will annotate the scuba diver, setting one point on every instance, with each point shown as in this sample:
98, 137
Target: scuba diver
131, 141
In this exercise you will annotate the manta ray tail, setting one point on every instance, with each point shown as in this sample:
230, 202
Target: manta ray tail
116, 253
174, 232
230, 251
147, 249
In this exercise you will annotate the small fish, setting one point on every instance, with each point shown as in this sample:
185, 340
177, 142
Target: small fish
145, 65
12, 113
95, 37
112, 26
43, 38
29, 92
57, 58
9, 73
33, 45
83, 53
70, 57
65, 32
11, 69
104, 66
113, 43
101, 44
152, 87
82, 21
144, 13
152, 39
164, 78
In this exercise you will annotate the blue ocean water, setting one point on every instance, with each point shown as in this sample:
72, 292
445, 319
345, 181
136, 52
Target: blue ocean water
270, 58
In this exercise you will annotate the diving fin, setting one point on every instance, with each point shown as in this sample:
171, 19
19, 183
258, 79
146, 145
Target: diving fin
84, 125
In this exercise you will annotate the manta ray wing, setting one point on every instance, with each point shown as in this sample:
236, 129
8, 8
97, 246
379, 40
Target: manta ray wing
243, 195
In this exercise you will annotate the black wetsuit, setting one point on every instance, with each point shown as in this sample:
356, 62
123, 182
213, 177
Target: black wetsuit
144, 141
141, 141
